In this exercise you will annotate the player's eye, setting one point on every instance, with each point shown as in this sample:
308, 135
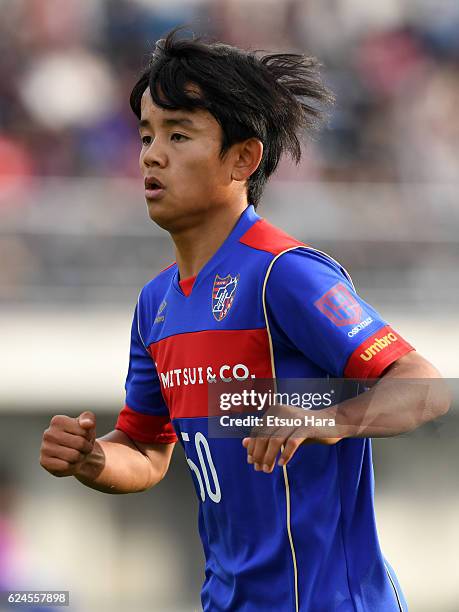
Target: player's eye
146, 140
176, 137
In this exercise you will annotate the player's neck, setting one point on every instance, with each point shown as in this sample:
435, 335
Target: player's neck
195, 246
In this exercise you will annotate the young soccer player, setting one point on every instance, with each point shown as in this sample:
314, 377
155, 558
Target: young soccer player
245, 300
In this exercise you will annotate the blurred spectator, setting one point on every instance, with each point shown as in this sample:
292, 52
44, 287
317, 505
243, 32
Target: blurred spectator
71, 87
428, 147
16, 165
10, 563
14, 574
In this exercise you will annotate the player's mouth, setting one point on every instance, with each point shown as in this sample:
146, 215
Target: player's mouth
154, 189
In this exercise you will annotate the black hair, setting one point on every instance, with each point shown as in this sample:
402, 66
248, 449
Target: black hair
274, 97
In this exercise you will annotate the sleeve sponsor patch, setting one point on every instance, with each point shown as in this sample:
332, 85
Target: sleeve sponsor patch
376, 353
340, 306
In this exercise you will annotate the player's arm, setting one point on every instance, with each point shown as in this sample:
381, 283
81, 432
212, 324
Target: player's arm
113, 463
409, 394
133, 457
316, 314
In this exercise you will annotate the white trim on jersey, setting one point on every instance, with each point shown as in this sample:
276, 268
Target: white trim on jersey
284, 468
394, 587
273, 368
348, 276
138, 321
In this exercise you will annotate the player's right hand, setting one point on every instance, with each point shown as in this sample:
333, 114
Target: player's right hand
67, 443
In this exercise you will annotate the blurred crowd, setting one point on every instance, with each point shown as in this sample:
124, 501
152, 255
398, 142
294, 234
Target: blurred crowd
72, 223
66, 70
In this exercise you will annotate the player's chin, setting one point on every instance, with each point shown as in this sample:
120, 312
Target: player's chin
160, 212
164, 214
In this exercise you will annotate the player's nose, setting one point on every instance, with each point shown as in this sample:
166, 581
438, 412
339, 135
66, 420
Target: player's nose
154, 155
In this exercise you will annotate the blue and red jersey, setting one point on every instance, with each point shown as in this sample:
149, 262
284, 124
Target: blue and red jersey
302, 538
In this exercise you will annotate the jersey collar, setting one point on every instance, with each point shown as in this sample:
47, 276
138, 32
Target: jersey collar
245, 221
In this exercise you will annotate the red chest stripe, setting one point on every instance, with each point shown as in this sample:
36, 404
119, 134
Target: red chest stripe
188, 363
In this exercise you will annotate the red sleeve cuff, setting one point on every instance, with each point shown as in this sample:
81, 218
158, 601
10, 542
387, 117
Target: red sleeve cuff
147, 428
375, 354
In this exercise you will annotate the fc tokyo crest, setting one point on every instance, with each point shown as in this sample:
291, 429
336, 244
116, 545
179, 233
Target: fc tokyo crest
223, 293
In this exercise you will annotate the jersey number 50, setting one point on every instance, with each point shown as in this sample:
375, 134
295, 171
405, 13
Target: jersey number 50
213, 492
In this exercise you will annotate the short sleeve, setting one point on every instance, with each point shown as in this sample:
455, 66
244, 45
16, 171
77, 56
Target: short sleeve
311, 300
145, 416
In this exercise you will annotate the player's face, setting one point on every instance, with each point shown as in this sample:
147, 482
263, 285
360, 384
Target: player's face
185, 177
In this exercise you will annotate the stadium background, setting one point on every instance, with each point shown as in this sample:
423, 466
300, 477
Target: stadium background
379, 191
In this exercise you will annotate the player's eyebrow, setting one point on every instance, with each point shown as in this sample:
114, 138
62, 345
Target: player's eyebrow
170, 122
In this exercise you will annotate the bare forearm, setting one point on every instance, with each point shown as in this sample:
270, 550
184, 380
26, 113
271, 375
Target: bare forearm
402, 400
410, 394
115, 467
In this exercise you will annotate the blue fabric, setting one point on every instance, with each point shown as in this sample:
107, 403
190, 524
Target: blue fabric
143, 392
298, 279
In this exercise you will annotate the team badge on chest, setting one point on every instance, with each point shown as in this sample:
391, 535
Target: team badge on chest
223, 293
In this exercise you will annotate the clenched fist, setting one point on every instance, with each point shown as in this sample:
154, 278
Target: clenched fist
67, 443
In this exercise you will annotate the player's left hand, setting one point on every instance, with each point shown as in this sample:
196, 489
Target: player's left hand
264, 444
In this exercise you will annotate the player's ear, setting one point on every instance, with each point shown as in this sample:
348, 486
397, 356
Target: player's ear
247, 158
